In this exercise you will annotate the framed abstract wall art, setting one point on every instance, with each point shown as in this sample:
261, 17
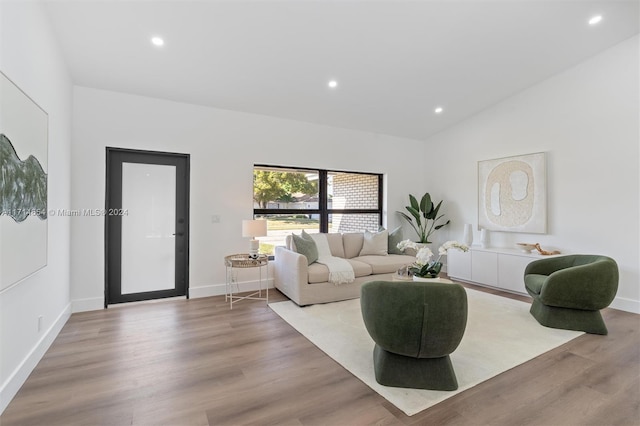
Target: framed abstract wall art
23, 185
512, 194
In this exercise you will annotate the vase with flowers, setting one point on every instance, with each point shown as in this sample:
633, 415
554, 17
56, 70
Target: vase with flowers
424, 267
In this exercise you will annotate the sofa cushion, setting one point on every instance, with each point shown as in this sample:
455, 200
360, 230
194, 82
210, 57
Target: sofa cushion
353, 242
395, 237
335, 245
386, 264
375, 243
534, 282
305, 245
319, 273
360, 269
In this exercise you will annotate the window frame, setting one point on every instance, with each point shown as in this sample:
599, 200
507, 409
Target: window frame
323, 211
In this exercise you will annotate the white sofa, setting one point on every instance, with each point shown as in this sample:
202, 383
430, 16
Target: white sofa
309, 284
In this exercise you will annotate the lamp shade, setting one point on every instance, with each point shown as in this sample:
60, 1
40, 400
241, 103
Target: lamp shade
254, 228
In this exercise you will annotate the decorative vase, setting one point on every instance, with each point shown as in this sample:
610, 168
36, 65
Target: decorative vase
468, 235
413, 252
484, 238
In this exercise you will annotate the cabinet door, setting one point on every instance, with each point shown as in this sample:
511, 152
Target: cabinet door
511, 272
484, 267
459, 265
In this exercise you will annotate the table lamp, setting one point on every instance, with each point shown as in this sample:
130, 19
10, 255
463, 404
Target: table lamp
253, 229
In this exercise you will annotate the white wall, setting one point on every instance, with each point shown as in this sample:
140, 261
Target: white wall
587, 120
31, 59
224, 146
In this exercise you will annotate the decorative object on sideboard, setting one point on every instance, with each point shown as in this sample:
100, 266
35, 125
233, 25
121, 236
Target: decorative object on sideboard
512, 194
425, 215
529, 247
545, 252
254, 228
468, 234
484, 238
526, 247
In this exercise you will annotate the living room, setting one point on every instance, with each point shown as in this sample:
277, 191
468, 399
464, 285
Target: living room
584, 116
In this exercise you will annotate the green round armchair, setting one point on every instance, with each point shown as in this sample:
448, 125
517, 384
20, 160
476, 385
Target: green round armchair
569, 291
415, 326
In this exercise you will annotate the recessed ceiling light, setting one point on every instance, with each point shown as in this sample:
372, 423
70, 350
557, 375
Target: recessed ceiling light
333, 84
157, 41
438, 110
595, 19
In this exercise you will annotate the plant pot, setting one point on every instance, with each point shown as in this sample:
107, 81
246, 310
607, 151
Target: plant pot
432, 272
424, 279
413, 252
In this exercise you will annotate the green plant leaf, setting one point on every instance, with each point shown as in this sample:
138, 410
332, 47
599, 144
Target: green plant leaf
444, 224
426, 204
415, 213
414, 202
408, 219
434, 212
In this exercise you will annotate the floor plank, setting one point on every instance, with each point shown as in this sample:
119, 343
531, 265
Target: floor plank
195, 362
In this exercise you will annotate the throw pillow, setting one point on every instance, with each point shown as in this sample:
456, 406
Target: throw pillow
306, 246
395, 237
375, 243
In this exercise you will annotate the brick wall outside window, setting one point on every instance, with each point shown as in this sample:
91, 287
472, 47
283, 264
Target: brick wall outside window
354, 191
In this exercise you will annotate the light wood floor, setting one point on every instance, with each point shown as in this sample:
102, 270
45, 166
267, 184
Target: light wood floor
195, 362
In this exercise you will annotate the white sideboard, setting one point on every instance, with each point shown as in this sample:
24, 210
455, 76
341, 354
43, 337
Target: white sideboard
495, 267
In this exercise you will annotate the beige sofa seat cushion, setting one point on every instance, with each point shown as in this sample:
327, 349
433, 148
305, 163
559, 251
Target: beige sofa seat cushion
360, 269
387, 264
353, 242
319, 273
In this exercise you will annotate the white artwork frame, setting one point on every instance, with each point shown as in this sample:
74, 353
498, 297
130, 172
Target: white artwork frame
512, 194
24, 189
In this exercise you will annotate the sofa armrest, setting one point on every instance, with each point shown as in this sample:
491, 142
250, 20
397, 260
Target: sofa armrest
291, 273
590, 286
547, 266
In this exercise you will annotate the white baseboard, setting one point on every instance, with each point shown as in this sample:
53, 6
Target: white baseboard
220, 289
624, 304
91, 304
13, 384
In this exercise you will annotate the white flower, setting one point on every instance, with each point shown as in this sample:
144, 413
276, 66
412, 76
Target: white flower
452, 244
423, 256
405, 244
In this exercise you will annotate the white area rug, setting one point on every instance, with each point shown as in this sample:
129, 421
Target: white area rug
500, 335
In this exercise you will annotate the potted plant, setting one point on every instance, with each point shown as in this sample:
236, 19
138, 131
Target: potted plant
424, 267
425, 215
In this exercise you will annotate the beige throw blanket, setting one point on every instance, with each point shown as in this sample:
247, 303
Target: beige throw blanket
340, 271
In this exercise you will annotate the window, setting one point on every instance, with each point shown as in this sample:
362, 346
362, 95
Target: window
293, 199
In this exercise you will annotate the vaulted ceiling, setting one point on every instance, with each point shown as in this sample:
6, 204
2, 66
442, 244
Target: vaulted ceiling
394, 62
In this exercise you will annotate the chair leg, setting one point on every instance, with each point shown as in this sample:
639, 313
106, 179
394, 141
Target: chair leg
417, 373
568, 319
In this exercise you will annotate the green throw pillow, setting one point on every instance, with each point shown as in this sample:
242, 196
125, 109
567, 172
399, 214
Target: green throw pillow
395, 237
306, 246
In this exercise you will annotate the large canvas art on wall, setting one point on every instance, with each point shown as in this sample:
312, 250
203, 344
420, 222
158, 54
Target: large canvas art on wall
23, 185
512, 194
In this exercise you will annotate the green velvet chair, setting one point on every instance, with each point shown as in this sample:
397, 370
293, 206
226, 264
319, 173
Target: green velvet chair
415, 326
569, 291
